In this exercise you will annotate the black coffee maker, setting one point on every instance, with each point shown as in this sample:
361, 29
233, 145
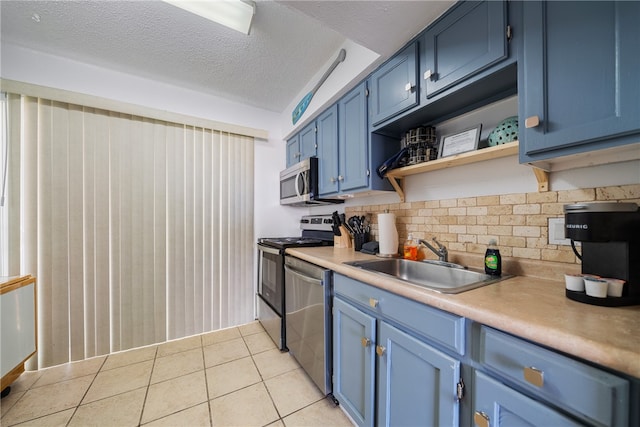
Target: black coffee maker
610, 238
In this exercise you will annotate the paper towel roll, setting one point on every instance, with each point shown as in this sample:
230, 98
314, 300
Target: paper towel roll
388, 234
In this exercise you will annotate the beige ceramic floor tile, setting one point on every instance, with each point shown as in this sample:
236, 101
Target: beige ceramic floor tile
177, 364
177, 346
220, 336
59, 419
251, 328
274, 362
25, 381
10, 400
122, 410
225, 352
69, 371
259, 342
48, 399
197, 416
174, 395
278, 423
319, 414
232, 376
287, 402
118, 360
119, 380
250, 406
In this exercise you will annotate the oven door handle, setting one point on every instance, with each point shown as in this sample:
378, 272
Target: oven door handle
268, 250
303, 276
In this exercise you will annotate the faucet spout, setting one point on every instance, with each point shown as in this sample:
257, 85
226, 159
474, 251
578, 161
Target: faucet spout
441, 251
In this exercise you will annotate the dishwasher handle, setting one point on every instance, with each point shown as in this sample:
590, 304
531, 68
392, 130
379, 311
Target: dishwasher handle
303, 276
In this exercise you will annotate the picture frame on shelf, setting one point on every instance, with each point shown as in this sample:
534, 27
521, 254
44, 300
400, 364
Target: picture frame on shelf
460, 142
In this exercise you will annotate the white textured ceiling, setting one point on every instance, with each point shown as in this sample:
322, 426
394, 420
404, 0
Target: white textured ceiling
289, 40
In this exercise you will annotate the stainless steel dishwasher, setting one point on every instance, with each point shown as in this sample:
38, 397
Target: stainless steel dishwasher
308, 290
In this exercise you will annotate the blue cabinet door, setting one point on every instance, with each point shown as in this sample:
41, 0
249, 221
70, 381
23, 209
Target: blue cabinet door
327, 124
496, 405
394, 86
308, 143
471, 38
293, 150
354, 335
353, 142
580, 89
416, 382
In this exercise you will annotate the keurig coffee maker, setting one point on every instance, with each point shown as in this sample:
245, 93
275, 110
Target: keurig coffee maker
610, 237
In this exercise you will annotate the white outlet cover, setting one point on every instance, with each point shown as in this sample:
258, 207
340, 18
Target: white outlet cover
556, 232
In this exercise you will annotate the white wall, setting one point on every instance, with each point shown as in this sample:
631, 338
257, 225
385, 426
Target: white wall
26, 65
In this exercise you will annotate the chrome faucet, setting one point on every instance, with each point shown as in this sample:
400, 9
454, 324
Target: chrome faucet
441, 251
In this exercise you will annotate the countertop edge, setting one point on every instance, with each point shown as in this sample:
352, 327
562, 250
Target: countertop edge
588, 347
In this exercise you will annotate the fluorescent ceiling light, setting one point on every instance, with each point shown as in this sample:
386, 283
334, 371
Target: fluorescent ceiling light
235, 14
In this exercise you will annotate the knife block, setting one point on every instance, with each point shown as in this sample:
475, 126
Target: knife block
343, 240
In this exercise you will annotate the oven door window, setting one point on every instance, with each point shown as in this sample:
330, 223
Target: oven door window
271, 280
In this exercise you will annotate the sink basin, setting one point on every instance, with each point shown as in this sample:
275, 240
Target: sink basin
447, 278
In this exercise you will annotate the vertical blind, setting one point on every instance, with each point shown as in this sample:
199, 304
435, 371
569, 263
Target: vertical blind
137, 230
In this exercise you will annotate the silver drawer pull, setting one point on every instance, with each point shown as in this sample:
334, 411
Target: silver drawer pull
373, 302
533, 376
409, 87
428, 74
481, 419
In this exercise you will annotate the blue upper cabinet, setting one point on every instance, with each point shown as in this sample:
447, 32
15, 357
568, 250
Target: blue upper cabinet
394, 86
308, 143
469, 39
293, 150
302, 145
579, 86
327, 124
353, 142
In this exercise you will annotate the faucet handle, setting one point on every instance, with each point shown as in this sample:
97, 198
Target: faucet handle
440, 246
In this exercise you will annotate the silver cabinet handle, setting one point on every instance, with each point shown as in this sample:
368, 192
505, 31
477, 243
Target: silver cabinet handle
531, 122
481, 419
533, 376
366, 342
429, 75
340, 178
333, 180
409, 87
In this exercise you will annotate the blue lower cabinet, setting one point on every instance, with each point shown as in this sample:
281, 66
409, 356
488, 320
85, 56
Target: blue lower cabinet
416, 383
354, 334
496, 405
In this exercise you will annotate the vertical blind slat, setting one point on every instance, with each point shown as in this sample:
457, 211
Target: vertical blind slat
138, 230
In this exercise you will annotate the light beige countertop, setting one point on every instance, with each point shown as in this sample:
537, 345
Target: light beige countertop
531, 308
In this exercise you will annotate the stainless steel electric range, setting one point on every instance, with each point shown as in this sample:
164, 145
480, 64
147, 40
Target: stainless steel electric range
316, 231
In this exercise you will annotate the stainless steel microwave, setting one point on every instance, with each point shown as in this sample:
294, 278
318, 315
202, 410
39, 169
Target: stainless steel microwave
299, 185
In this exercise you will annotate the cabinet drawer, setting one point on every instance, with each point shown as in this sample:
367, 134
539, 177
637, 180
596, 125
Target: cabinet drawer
441, 327
496, 404
597, 396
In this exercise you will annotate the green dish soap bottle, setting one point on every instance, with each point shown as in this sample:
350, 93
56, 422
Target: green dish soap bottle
492, 259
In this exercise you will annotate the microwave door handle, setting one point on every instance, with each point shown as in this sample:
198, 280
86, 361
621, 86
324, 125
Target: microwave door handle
299, 180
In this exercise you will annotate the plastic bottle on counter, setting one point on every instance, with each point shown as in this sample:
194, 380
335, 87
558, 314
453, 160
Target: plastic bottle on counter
410, 249
492, 259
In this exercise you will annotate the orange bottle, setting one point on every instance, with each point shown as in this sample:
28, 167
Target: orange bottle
410, 249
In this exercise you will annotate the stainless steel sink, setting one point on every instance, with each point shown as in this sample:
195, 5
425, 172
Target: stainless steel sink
447, 278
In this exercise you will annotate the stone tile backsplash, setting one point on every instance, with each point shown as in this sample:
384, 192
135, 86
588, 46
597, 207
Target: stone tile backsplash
519, 223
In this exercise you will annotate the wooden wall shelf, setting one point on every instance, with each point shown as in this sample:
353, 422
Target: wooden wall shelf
484, 154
